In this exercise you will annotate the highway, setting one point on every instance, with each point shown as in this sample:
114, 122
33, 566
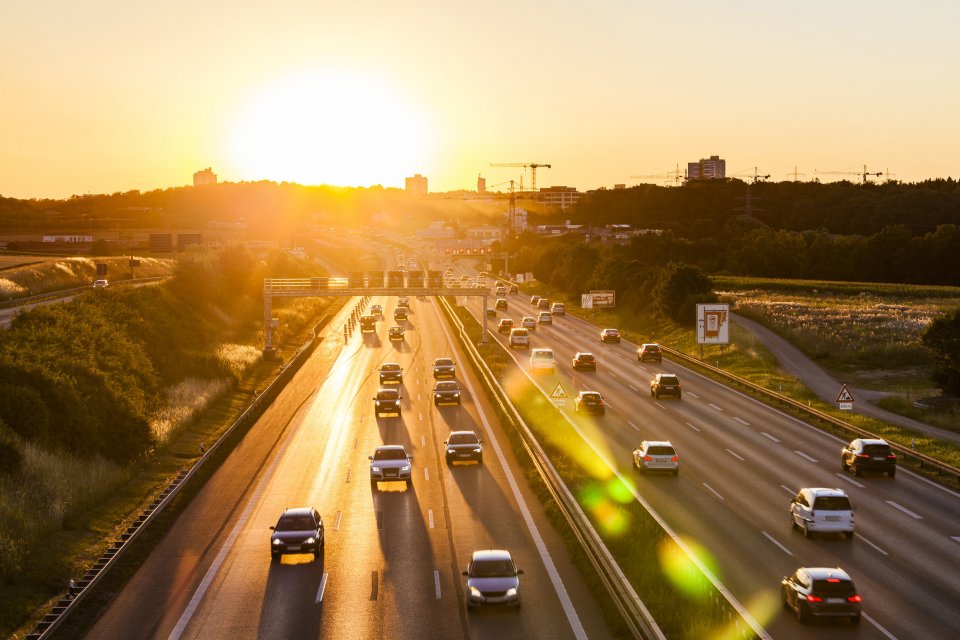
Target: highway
741, 463
392, 561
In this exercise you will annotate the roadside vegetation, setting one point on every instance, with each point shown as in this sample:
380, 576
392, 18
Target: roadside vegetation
24, 276
101, 401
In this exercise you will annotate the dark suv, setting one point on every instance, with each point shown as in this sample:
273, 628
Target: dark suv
665, 384
821, 592
387, 402
391, 373
590, 402
868, 454
649, 352
297, 531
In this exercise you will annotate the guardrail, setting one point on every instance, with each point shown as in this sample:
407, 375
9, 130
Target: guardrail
923, 460
53, 295
80, 589
634, 612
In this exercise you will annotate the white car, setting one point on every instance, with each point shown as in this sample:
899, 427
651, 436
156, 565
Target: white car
542, 361
656, 455
528, 322
814, 510
519, 338
100, 284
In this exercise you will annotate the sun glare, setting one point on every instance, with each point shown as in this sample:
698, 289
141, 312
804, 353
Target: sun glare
329, 128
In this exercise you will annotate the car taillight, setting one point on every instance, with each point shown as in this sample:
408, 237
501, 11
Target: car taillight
811, 598
863, 455
891, 456
674, 459
855, 598
647, 459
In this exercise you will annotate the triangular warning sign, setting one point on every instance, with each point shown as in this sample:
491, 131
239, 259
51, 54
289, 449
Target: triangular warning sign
558, 392
844, 395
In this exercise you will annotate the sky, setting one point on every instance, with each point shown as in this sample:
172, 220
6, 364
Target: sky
107, 96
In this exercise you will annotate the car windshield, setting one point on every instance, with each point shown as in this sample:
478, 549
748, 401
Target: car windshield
832, 503
651, 347
388, 394
876, 449
443, 362
390, 367
492, 569
543, 355
591, 398
660, 450
447, 386
295, 523
390, 454
462, 438
586, 357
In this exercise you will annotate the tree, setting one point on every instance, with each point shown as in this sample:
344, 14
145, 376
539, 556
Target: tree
942, 337
678, 291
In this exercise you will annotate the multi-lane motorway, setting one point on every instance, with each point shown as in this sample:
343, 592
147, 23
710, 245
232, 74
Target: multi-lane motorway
393, 558
741, 463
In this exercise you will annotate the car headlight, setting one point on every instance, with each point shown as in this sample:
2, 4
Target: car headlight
375, 469
456, 395
405, 467
451, 450
378, 403
475, 592
437, 396
512, 591
277, 541
477, 450
310, 540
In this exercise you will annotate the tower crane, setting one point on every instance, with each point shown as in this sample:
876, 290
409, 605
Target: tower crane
848, 172
668, 176
533, 169
795, 173
755, 176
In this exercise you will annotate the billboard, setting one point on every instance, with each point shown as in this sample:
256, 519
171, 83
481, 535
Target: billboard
713, 322
603, 299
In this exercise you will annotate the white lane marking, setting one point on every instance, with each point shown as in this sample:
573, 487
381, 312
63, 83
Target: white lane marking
693, 395
436, 582
423, 441
348, 474
633, 388
572, 618
764, 433
611, 374
913, 515
877, 625
430, 517
712, 490
657, 402
741, 421
420, 415
426, 473
788, 489
633, 425
692, 427
228, 544
607, 402
872, 545
418, 397
771, 539
734, 455
957, 538
850, 480
336, 523
805, 456
710, 404
323, 587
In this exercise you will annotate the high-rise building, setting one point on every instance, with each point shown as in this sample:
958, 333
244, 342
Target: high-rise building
481, 184
417, 184
559, 196
711, 168
207, 176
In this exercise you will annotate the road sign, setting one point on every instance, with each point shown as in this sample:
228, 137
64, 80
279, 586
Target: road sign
712, 323
586, 301
559, 396
845, 399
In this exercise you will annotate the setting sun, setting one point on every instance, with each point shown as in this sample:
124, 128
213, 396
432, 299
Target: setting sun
329, 128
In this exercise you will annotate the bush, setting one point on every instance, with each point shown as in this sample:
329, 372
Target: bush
11, 453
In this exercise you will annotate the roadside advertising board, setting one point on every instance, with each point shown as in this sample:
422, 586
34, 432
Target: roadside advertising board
713, 322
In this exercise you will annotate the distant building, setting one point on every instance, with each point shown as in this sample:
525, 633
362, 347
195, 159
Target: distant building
207, 176
620, 185
68, 238
712, 168
562, 197
417, 184
484, 233
519, 221
481, 184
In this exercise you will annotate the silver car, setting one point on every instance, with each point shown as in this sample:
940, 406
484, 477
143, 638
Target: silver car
390, 462
492, 578
656, 455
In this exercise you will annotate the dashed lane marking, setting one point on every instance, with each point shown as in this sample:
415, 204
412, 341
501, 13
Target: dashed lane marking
915, 516
430, 517
787, 489
850, 480
633, 425
735, 455
693, 427
712, 490
871, 544
877, 625
426, 473
774, 541
436, 582
710, 404
323, 587
336, 523
767, 435
741, 421
805, 456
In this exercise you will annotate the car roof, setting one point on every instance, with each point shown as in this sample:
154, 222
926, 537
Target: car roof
583, 353
825, 491
448, 383
463, 433
822, 573
666, 375
649, 344
297, 511
388, 391
443, 361
657, 443
589, 393
874, 441
609, 329
390, 447
491, 554
390, 365
541, 351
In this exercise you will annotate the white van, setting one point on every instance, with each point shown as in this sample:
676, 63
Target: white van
558, 309
542, 361
519, 338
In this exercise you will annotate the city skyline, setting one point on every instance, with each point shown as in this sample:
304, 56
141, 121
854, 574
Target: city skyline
353, 96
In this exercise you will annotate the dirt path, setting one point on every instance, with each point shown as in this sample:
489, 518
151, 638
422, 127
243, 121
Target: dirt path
794, 362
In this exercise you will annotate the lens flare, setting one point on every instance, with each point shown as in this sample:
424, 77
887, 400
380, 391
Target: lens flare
681, 570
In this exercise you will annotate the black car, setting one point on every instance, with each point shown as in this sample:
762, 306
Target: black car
400, 313
665, 384
462, 446
391, 373
820, 592
297, 531
514, 289
590, 402
501, 304
444, 368
506, 324
583, 361
649, 352
395, 334
387, 402
868, 454
446, 392
403, 302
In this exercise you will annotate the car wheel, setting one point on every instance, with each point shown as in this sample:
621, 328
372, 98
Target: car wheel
849, 534
274, 556
678, 396
803, 616
373, 485
793, 523
843, 464
480, 459
449, 461
657, 395
856, 469
855, 619
409, 483
806, 530
676, 472
892, 472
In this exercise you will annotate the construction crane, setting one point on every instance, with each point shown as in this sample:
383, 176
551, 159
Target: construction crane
533, 169
849, 172
795, 173
755, 176
673, 176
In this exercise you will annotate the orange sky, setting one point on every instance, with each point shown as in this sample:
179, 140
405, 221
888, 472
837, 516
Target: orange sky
109, 96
